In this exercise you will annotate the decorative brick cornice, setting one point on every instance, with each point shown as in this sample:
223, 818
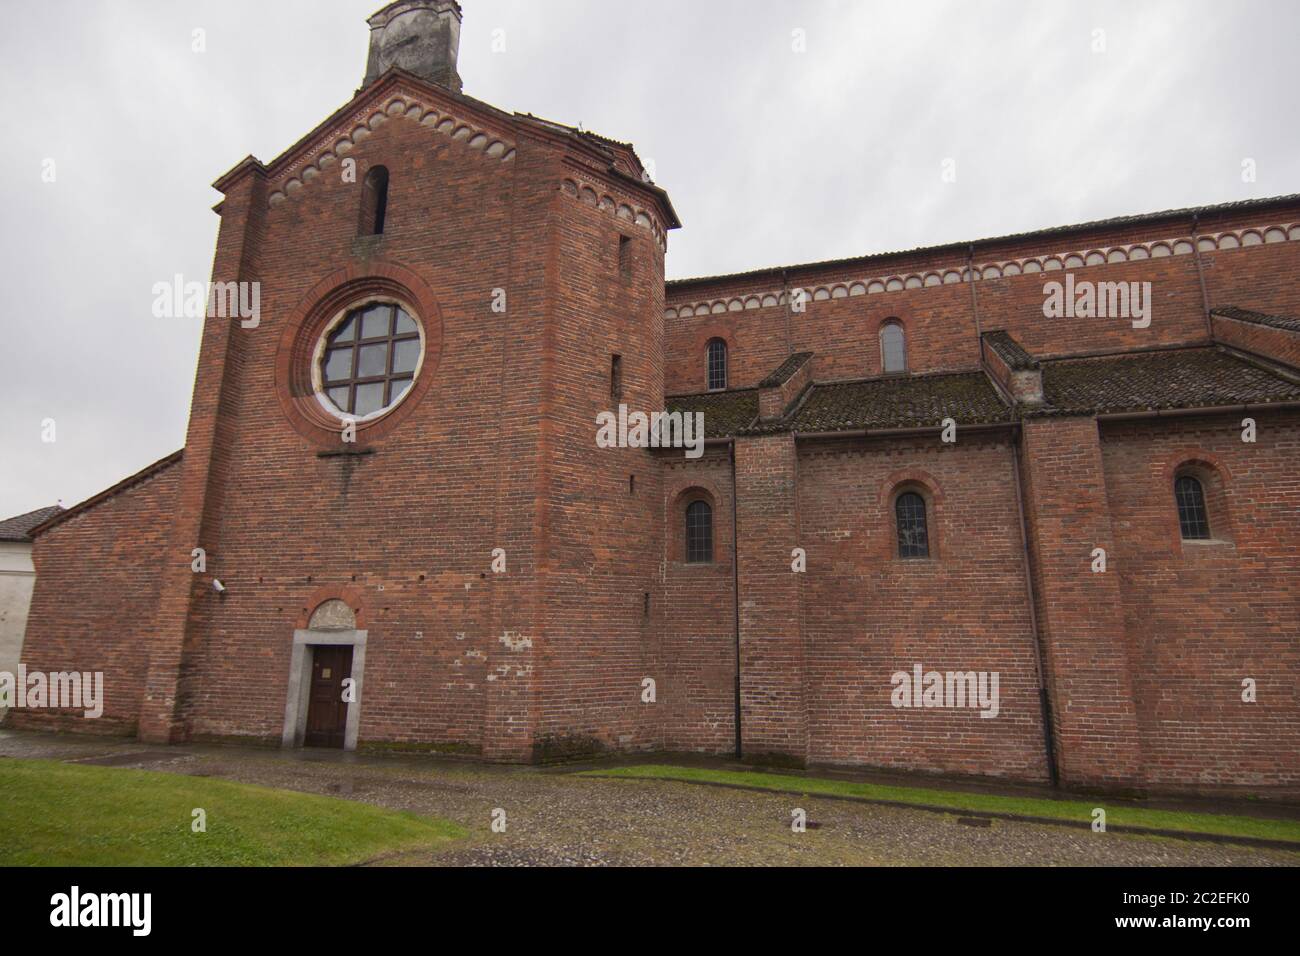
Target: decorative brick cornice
997, 269
405, 102
615, 202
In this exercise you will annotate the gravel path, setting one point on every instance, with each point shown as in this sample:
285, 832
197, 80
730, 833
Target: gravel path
554, 818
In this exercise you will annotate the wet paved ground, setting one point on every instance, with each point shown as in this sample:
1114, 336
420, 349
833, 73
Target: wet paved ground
557, 818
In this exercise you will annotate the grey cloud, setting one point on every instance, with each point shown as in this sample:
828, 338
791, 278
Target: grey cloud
771, 156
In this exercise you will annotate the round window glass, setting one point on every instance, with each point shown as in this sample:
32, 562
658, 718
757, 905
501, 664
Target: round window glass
367, 360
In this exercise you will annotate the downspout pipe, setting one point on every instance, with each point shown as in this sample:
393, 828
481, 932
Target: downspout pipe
1200, 274
1044, 697
789, 310
735, 591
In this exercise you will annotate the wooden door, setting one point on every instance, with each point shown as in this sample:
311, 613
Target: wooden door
327, 713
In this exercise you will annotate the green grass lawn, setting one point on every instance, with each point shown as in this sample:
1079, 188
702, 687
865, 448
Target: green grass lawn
58, 814
1117, 814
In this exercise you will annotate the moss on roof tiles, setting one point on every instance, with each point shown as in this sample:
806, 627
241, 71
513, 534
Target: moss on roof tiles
1183, 378
18, 527
1010, 351
918, 401
1285, 322
785, 371
725, 413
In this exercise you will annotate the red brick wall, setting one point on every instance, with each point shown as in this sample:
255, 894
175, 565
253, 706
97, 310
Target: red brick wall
1201, 617
96, 595
775, 401
842, 332
413, 525
600, 554
773, 687
544, 660
939, 325
940, 320
869, 614
1281, 345
498, 451
1177, 311
219, 382
1024, 386
698, 651
1089, 673
1255, 277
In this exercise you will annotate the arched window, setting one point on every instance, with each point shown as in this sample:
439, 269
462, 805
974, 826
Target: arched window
374, 202
893, 348
717, 365
913, 537
1193, 519
699, 532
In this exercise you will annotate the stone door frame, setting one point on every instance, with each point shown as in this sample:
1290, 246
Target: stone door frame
299, 690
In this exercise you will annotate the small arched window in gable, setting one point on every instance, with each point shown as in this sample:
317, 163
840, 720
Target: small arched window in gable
699, 532
913, 534
893, 348
717, 365
1193, 518
374, 202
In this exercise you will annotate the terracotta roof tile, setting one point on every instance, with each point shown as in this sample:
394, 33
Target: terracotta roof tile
905, 401
17, 528
785, 370
1010, 351
1286, 322
1176, 378
725, 413
1181, 378
1238, 205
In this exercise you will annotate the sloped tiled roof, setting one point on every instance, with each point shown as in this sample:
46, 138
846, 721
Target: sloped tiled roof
1234, 206
1010, 351
785, 370
725, 413
1149, 381
18, 528
912, 401
1181, 378
1286, 322
143, 475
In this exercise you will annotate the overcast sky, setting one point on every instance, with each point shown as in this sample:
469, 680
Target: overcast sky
771, 156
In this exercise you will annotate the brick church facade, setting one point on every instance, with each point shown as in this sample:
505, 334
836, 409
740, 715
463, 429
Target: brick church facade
394, 478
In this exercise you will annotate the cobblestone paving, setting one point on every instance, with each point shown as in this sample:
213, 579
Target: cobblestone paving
554, 818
